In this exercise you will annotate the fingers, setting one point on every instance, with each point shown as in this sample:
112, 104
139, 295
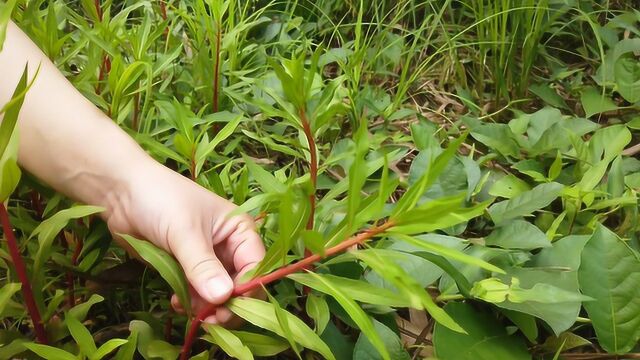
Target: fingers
202, 267
243, 247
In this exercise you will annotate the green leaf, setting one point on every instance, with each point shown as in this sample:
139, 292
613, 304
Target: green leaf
610, 273
525, 203
203, 152
80, 311
364, 349
262, 314
357, 171
6, 292
260, 344
166, 265
318, 310
508, 187
556, 266
548, 95
595, 102
11, 111
106, 348
358, 290
6, 8
447, 252
627, 75
49, 352
518, 234
228, 342
355, 312
266, 180
81, 335
486, 339
437, 215
411, 197
416, 295
47, 232
283, 322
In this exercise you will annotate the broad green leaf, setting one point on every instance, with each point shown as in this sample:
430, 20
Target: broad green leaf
566, 340
415, 293
81, 335
595, 102
610, 273
364, 349
228, 342
358, 290
262, 314
167, 266
495, 291
525, 322
627, 75
518, 234
6, 292
266, 180
556, 266
108, 347
486, 339
355, 312
498, 137
49, 352
525, 203
509, 186
260, 344
318, 310
162, 349
447, 252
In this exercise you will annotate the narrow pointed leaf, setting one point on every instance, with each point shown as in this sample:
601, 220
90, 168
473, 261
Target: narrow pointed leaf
228, 342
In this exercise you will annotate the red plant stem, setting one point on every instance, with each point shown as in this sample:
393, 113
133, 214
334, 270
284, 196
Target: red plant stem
136, 109
216, 70
98, 9
74, 262
163, 14
281, 273
21, 271
313, 165
36, 203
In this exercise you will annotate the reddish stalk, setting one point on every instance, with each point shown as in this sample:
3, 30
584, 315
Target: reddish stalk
21, 271
216, 70
136, 109
281, 273
313, 165
163, 14
74, 261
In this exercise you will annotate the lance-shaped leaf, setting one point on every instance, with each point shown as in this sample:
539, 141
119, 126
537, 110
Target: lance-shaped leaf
283, 321
447, 252
50, 352
164, 264
262, 314
6, 292
525, 203
358, 290
228, 342
355, 312
81, 335
260, 344
415, 294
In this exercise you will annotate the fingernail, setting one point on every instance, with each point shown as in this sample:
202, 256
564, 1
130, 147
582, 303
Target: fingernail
219, 289
211, 320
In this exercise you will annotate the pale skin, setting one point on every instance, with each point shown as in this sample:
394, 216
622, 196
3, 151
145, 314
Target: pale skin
71, 145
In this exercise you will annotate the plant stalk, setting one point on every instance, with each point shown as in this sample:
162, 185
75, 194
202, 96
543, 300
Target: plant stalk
281, 273
216, 70
21, 271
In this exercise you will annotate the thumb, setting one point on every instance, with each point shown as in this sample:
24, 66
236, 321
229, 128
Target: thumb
204, 270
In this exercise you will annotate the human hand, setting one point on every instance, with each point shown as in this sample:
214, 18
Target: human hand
192, 224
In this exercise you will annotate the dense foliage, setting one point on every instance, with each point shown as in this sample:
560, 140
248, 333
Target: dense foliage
464, 171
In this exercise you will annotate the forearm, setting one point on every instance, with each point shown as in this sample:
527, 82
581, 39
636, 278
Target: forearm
64, 139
